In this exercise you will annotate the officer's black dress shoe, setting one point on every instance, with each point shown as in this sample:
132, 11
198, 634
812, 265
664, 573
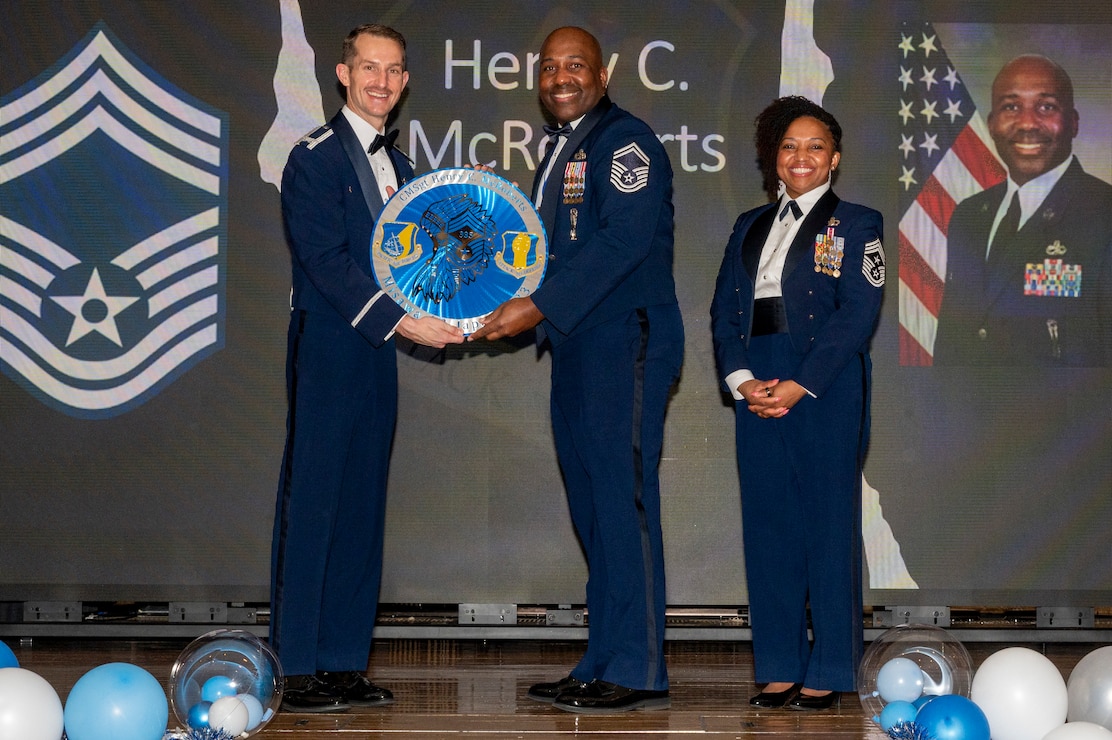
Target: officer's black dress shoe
547, 692
356, 689
308, 694
774, 699
603, 697
805, 702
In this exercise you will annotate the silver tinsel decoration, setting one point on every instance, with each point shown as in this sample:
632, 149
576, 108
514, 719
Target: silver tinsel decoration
909, 731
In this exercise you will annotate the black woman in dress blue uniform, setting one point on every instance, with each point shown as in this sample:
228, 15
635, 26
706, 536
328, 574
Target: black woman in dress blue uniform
341, 377
609, 309
796, 302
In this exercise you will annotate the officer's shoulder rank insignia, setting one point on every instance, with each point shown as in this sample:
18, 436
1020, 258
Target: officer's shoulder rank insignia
629, 169
315, 137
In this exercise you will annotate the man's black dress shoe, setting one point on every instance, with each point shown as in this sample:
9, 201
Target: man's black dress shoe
547, 692
774, 699
310, 694
355, 688
603, 697
805, 702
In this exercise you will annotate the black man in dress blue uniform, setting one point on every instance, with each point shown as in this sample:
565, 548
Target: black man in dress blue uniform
1040, 293
608, 306
341, 377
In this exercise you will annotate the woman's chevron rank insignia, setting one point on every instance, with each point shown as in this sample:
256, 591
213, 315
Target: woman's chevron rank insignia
872, 265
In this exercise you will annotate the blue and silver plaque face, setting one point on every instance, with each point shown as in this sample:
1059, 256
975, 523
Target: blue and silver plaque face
456, 243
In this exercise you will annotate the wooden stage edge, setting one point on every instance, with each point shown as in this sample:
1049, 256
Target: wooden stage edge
446, 622
475, 688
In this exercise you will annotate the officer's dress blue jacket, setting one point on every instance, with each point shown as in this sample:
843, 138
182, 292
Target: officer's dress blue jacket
801, 473
612, 317
330, 205
989, 314
341, 373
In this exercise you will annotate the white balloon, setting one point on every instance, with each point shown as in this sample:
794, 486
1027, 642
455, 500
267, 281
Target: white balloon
1090, 689
1079, 731
1022, 694
29, 707
230, 714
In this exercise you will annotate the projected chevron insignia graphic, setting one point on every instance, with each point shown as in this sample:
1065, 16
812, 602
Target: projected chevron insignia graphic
113, 185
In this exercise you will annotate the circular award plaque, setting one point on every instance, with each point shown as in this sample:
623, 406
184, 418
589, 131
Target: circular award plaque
456, 243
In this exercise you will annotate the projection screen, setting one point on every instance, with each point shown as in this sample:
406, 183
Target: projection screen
144, 288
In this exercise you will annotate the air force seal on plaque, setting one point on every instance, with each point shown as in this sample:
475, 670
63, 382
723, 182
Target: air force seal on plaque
456, 243
114, 185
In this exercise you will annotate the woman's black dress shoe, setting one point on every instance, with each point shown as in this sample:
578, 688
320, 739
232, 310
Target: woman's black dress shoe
805, 702
774, 699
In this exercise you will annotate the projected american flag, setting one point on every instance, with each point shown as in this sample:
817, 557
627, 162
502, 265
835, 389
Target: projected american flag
945, 156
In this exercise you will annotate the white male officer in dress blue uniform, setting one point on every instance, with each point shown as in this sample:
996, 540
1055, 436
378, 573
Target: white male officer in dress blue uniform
608, 306
342, 384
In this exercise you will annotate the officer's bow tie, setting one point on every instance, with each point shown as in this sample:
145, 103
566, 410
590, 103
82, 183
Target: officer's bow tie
383, 141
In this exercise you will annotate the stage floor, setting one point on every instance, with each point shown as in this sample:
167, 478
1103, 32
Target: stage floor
445, 688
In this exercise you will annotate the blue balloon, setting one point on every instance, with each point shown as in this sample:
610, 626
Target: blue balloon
218, 687
923, 700
255, 710
895, 713
953, 717
7, 657
199, 715
900, 679
116, 701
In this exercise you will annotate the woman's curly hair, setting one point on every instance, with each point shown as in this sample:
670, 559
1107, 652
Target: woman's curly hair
773, 122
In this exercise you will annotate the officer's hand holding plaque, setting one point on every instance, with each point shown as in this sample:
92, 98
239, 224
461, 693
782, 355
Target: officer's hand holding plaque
456, 243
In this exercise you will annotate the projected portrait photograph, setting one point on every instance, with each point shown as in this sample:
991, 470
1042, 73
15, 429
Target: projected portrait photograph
1005, 201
